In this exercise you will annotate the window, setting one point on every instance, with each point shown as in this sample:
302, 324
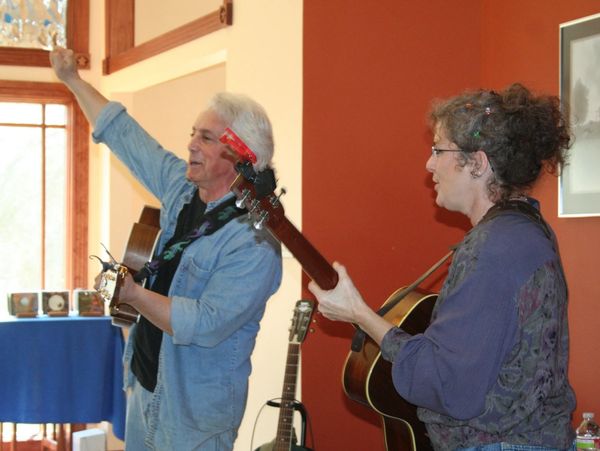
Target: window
78, 12
33, 24
44, 188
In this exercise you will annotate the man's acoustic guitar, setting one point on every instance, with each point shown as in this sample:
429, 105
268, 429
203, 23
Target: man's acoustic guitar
139, 250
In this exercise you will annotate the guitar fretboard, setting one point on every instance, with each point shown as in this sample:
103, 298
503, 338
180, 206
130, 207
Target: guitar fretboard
283, 439
313, 263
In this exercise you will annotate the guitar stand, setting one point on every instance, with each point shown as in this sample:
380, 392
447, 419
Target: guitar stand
300, 408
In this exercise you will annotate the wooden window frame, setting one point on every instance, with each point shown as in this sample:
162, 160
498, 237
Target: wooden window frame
78, 18
121, 50
77, 169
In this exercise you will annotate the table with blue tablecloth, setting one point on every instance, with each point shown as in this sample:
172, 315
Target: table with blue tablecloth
62, 370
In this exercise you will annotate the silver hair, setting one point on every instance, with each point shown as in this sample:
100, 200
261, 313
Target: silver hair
249, 121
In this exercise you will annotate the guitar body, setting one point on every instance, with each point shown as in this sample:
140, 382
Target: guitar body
367, 377
272, 446
139, 250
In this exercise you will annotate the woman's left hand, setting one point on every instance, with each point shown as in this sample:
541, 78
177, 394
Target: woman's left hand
342, 303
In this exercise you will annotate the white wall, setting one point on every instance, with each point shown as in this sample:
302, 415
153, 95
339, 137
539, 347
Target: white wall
155, 17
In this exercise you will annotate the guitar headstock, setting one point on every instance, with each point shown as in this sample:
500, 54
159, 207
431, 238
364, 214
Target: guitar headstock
254, 190
259, 198
301, 320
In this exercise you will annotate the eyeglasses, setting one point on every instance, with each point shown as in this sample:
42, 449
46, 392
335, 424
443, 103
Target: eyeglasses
435, 151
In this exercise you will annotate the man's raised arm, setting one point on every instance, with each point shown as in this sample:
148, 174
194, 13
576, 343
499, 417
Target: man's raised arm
89, 99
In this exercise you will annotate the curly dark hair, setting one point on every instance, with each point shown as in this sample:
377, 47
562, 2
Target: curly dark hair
521, 134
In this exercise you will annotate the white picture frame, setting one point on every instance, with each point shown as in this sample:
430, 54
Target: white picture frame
579, 182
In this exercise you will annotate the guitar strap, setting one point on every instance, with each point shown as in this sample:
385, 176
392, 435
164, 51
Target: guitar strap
358, 340
213, 221
522, 207
513, 205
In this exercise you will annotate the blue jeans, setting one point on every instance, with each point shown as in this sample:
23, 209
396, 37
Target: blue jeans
135, 431
508, 447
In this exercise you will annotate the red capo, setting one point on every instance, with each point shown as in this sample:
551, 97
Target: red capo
230, 138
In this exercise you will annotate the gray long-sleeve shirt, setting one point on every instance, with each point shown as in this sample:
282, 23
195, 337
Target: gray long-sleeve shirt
492, 365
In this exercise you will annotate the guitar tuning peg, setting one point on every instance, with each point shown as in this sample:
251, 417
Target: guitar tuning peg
112, 259
259, 224
241, 201
253, 205
105, 265
275, 201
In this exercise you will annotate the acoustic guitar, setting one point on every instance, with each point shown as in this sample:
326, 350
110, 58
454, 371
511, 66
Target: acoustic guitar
284, 440
366, 376
139, 250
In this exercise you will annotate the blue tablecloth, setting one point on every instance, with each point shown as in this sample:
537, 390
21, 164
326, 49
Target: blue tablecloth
62, 370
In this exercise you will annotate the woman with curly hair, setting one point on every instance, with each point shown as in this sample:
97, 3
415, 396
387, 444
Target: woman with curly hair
490, 371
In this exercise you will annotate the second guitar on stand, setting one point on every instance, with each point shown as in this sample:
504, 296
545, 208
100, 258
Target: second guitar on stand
285, 438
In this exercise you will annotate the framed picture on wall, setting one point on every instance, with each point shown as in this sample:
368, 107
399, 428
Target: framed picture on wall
579, 183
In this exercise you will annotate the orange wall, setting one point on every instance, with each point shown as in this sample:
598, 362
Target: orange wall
521, 43
371, 70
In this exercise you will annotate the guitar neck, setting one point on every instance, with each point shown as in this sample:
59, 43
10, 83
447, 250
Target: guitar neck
283, 440
313, 263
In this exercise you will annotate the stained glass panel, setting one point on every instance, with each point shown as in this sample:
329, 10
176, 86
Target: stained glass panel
37, 24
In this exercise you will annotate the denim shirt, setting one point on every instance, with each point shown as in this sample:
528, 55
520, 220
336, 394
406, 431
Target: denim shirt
218, 297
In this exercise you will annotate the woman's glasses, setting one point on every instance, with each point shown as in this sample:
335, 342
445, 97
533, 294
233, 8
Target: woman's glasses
435, 151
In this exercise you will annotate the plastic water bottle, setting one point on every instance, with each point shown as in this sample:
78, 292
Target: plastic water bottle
588, 433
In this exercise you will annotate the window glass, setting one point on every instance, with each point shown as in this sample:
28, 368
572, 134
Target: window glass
36, 24
20, 215
56, 209
56, 114
20, 113
33, 183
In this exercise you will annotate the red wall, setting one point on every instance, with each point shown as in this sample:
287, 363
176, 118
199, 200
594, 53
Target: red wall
521, 43
371, 70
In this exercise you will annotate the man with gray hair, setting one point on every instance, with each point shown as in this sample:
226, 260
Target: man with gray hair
188, 358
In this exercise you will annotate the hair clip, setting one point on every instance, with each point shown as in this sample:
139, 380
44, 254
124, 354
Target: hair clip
488, 110
476, 134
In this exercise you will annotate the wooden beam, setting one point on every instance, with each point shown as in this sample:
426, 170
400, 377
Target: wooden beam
121, 55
